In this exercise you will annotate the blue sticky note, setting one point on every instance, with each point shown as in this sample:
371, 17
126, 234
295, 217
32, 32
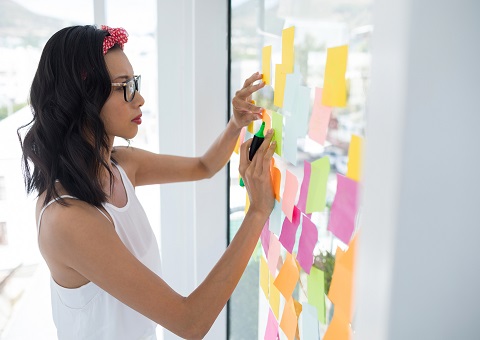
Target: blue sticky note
275, 224
301, 111
308, 323
290, 95
290, 136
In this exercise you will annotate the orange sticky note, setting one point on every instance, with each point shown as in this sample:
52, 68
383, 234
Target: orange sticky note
288, 36
280, 80
354, 164
334, 84
289, 194
274, 298
266, 64
276, 178
287, 277
339, 329
289, 319
341, 287
266, 117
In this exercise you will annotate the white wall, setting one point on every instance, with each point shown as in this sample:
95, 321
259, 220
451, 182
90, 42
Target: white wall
418, 274
192, 67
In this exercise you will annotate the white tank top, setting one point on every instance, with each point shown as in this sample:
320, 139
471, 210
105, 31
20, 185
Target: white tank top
89, 312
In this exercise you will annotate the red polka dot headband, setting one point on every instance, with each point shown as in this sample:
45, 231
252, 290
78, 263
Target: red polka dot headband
117, 36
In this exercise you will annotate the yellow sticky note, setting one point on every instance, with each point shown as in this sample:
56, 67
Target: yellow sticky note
274, 298
247, 202
250, 127
280, 80
287, 277
354, 165
264, 275
266, 64
289, 319
334, 85
288, 36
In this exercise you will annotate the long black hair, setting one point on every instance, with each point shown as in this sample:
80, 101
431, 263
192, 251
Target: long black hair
67, 140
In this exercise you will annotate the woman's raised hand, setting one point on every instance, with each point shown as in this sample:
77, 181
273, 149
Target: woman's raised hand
257, 176
244, 109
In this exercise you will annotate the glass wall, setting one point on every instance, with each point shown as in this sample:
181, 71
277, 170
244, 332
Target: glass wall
318, 25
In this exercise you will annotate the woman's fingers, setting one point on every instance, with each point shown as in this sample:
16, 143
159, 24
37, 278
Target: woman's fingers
253, 78
244, 161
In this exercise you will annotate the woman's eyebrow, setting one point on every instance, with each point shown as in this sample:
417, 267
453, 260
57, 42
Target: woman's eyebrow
122, 77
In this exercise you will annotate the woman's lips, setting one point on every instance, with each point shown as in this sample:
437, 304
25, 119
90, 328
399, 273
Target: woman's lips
137, 119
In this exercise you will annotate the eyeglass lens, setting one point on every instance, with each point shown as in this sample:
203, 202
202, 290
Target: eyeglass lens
132, 86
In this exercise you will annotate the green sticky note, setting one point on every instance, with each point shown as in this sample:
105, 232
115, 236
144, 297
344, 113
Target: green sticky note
317, 188
277, 126
316, 292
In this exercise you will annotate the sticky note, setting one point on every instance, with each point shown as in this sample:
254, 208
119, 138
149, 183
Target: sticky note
298, 311
334, 85
316, 292
265, 238
319, 120
280, 80
288, 324
266, 117
317, 188
289, 194
302, 198
271, 331
247, 202
277, 126
287, 277
274, 298
339, 329
341, 287
308, 240
276, 179
301, 111
290, 148
273, 254
250, 127
264, 275
289, 230
275, 223
344, 209
266, 64
308, 322
354, 164
288, 37
292, 84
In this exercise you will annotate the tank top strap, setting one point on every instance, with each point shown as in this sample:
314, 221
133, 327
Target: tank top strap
56, 199
126, 181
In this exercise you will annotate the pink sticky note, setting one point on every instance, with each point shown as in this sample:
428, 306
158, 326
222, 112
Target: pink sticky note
289, 194
302, 199
273, 254
265, 238
271, 332
344, 209
289, 230
308, 240
319, 119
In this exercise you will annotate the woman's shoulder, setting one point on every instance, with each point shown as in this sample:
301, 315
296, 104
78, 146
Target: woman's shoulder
128, 159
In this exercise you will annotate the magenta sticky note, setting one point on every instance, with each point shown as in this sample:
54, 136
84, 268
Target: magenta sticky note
289, 194
308, 240
289, 230
344, 209
265, 238
271, 331
302, 199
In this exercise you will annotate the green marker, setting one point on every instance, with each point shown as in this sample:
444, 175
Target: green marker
258, 139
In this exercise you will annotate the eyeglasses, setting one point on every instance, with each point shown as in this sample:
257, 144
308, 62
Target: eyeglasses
130, 87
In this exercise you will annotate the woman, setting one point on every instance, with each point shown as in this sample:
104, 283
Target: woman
92, 231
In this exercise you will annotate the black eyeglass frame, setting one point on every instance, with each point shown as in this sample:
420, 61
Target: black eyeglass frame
137, 80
